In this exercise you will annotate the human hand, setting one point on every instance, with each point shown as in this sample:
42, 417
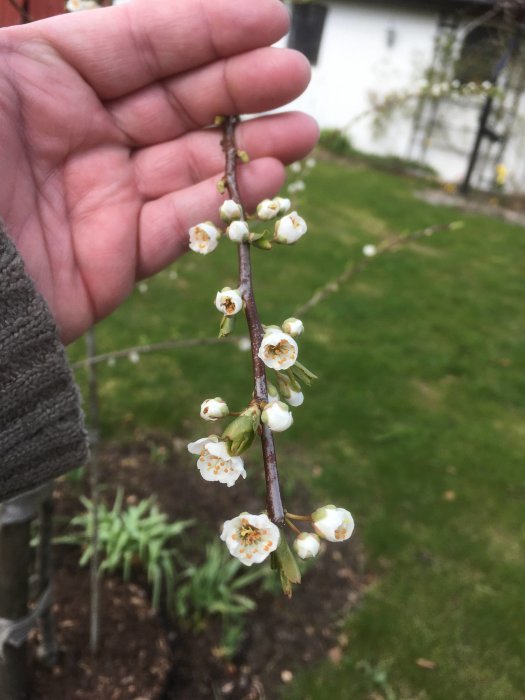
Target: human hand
105, 159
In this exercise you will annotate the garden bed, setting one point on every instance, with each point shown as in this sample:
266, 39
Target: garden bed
145, 655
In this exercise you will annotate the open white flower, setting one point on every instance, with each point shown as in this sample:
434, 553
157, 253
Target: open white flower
228, 301
278, 350
297, 186
213, 409
290, 228
293, 326
238, 231
250, 538
230, 210
369, 250
277, 416
77, 5
268, 209
204, 238
332, 523
215, 463
307, 545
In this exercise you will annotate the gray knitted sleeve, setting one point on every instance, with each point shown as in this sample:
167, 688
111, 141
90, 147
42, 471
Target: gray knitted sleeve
42, 431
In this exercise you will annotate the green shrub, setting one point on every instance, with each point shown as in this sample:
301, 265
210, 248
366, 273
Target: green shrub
138, 535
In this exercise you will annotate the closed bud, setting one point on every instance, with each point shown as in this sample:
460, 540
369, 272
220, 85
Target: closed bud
238, 232
332, 523
277, 416
307, 545
230, 211
293, 326
290, 229
240, 433
213, 409
284, 204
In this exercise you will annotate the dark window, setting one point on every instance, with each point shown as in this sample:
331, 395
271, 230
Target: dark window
307, 29
481, 50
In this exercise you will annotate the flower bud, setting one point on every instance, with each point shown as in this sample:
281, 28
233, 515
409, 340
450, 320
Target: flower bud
213, 409
273, 394
289, 229
268, 209
238, 231
204, 238
290, 389
293, 326
277, 416
230, 210
307, 545
369, 250
284, 204
278, 350
228, 301
334, 524
240, 433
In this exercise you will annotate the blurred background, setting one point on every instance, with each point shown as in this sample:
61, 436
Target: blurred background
410, 285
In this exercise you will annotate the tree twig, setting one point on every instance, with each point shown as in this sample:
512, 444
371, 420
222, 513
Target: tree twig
274, 504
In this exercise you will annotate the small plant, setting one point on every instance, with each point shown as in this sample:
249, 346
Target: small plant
213, 588
137, 535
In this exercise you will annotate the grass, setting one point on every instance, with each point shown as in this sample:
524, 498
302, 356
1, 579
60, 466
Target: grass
417, 423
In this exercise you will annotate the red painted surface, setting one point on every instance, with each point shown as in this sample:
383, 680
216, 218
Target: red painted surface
38, 9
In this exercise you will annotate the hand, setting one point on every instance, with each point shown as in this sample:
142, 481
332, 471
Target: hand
105, 159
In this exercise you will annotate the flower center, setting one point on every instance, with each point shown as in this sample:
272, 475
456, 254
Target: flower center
249, 535
229, 305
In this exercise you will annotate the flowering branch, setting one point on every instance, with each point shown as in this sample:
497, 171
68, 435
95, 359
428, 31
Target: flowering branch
274, 504
370, 251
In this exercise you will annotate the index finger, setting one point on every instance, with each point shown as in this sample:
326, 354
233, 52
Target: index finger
120, 49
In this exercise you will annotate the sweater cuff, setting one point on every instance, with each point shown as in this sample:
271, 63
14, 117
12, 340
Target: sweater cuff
42, 432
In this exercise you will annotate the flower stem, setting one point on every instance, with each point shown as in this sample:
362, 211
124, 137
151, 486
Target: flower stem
292, 526
274, 506
293, 516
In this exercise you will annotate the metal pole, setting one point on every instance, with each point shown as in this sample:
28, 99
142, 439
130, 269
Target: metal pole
14, 592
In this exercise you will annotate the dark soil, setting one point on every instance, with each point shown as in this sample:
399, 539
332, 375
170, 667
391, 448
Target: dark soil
146, 657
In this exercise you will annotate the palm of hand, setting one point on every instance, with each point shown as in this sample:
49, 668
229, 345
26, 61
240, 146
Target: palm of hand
102, 183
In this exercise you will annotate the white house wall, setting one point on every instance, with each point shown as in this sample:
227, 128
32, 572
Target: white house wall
356, 61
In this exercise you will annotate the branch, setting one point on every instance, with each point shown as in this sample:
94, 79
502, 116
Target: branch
353, 269
24, 15
152, 347
274, 504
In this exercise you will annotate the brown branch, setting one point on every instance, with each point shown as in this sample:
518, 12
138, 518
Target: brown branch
274, 504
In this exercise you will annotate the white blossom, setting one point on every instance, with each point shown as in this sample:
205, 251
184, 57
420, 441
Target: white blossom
307, 545
296, 167
284, 204
277, 416
311, 162
143, 287
228, 301
369, 250
290, 228
250, 538
268, 209
77, 5
293, 326
278, 350
334, 524
215, 463
230, 210
244, 344
134, 357
204, 238
296, 398
297, 186
213, 409
238, 231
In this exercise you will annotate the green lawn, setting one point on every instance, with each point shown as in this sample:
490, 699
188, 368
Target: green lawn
417, 422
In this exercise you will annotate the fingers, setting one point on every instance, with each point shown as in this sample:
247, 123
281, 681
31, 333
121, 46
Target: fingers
197, 156
250, 83
164, 222
124, 48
